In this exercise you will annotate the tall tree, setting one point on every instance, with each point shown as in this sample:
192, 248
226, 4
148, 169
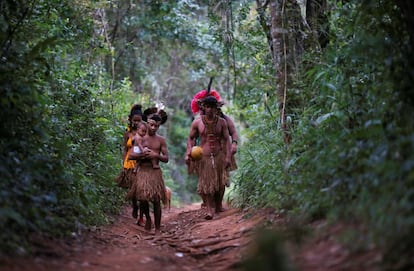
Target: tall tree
275, 23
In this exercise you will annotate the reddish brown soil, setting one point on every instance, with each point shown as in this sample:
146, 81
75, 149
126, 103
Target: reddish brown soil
187, 242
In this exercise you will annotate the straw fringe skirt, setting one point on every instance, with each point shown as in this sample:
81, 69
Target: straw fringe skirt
193, 166
125, 178
211, 177
147, 184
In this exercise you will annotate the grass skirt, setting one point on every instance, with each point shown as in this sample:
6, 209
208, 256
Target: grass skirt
124, 179
192, 166
147, 184
211, 177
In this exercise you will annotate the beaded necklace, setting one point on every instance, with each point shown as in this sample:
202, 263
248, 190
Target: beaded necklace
211, 138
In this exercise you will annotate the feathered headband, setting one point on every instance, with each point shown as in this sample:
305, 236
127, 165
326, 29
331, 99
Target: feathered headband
195, 102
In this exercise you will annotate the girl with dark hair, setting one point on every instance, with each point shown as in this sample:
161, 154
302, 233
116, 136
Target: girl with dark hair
127, 173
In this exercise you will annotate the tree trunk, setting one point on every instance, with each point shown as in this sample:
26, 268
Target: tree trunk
284, 28
278, 34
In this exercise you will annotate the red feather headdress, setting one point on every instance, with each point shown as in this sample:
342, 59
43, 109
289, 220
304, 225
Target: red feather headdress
195, 102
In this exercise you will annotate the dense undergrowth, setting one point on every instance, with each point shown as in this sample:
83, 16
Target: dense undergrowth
59, 142
352, 151
66, 89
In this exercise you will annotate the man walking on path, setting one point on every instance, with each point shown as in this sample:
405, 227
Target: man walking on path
215, 142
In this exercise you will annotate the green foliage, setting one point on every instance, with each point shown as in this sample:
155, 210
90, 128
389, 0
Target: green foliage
69, 75
374, 145
57, 135
351, 121
178, 129
68, 82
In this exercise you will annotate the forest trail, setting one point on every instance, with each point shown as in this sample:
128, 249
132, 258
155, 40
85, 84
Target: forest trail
187, 242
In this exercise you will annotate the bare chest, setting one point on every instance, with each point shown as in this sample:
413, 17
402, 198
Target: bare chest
152, 143
210, 128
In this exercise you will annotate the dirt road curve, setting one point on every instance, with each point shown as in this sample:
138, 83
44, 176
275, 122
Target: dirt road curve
187, 242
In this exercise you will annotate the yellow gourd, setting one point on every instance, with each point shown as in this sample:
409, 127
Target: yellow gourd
196, 153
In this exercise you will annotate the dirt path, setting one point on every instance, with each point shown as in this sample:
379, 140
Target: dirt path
187, 242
